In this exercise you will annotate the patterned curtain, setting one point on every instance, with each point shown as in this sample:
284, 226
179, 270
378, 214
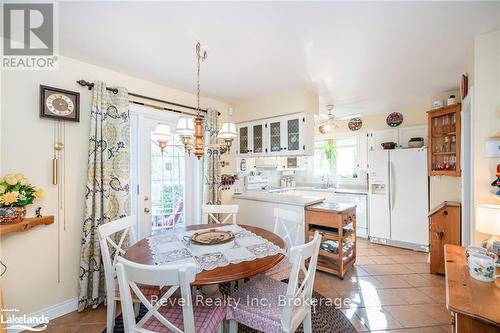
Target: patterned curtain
212, 167
107, 195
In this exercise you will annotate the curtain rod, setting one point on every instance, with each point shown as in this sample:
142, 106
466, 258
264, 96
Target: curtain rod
90, 85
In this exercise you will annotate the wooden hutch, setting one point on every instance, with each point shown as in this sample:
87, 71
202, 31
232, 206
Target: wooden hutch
444, 141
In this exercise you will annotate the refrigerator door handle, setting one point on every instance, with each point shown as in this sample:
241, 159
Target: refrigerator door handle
393, 186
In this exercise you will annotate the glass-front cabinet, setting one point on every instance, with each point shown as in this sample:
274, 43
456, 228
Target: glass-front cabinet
284, 135
275, 136
244, 140
444, 141
293, 135
258, 138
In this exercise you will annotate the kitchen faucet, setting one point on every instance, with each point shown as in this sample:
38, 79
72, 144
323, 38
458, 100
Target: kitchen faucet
327, 178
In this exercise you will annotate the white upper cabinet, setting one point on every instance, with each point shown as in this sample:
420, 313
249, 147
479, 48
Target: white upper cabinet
281, 136
376, 138
275, 136
293, 143
244, 139
400, 135
362, 145
257, 130
406, 133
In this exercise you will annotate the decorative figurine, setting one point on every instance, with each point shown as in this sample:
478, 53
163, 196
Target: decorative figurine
496, 182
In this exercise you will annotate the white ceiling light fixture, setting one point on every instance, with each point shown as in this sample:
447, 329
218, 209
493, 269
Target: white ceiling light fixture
228, 130
185, 126
326, 126
161, 135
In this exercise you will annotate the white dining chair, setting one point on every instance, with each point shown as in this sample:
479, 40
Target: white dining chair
290, 227
287, 305
173, 311
117, 235
212, 211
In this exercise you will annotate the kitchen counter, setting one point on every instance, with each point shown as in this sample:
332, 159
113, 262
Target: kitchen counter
347, 190
331, 207
281, 198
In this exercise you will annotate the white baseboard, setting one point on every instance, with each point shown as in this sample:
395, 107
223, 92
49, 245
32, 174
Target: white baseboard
53, 312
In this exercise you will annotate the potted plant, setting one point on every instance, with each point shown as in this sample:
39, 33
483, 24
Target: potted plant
329, 151
15, 194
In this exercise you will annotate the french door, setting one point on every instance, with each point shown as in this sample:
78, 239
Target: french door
166, 184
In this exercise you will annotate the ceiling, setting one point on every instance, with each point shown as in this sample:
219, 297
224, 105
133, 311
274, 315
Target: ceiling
364, 57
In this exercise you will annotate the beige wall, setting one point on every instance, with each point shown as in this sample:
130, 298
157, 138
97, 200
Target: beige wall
485, 117
290, 101
30, 283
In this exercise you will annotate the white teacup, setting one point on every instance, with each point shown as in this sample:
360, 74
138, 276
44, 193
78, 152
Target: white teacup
474, 250
482, 267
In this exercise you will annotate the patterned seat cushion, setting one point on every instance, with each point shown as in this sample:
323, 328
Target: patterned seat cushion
206, 318
148, 291
281, 271
262, 317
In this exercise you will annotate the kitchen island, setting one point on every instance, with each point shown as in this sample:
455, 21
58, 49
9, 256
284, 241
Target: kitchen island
257, 207
337, 225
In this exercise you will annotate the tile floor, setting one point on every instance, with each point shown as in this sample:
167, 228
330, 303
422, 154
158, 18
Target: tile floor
390, 291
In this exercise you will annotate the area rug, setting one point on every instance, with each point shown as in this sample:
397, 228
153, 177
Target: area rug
326, 319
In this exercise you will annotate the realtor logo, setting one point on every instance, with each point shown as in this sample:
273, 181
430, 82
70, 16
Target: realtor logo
29, 33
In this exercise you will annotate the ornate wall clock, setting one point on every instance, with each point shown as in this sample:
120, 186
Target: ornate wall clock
59, 103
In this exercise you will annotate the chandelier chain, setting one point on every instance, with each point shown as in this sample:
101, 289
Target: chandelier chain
201, 57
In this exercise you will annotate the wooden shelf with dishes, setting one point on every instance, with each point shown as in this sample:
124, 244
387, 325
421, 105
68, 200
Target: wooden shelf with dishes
337, 225
25, 224
444, 141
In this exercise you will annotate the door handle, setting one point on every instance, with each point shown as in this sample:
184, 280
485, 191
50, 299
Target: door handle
393, 185
146, 210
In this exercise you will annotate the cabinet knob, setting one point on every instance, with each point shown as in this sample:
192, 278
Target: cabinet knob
445, 212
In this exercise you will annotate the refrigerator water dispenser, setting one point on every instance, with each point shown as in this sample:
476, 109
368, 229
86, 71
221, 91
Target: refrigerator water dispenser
378, 189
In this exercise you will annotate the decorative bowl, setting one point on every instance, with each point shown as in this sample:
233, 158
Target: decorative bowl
416, 143
388, 145
10, 215
211, 241
212, 237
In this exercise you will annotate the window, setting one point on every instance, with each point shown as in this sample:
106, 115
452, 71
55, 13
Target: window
335, 157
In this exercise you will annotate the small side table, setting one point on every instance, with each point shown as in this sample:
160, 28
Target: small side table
475, 304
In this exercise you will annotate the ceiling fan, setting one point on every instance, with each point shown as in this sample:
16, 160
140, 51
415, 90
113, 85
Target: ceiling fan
330, 123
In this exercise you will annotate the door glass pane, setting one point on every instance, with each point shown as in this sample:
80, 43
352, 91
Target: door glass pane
275, 136
293, 134
167, 185
257, 139
243, 140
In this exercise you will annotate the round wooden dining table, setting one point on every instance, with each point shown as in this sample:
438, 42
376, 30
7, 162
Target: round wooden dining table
141, 253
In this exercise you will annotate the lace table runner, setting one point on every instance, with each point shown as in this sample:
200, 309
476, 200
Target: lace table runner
171, 247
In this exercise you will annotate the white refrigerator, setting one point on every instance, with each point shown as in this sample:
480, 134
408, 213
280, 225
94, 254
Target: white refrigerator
399, 197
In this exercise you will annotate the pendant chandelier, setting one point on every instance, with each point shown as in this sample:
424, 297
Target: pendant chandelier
191, 131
